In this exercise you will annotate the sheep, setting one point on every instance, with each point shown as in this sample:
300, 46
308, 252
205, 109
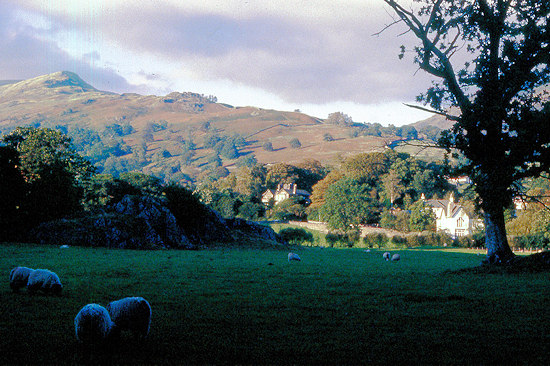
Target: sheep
131, 313
293, 257
395, 257
19, 277
386, 256
45, 280
93, 324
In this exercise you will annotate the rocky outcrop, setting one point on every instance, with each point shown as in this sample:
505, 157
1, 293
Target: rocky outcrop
254, 229
145, 222
137, 222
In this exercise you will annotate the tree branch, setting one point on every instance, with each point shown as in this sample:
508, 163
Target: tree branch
448, 116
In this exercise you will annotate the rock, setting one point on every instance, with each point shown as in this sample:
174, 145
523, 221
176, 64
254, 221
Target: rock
250, 227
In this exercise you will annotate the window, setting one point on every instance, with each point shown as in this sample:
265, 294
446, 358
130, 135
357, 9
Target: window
460, 222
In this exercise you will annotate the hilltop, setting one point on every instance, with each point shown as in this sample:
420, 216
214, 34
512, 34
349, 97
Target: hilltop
179, 133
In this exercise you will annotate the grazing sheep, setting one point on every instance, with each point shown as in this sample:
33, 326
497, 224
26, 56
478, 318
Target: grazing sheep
386, 256
395, 257
19, 277
131, 313
45, 280
293, 257
92, 324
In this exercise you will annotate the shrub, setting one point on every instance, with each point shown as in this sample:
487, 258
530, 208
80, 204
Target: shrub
342, 240
295, 143
296, 235
416, 241
530, 242
398, 241
267, 146
375, 240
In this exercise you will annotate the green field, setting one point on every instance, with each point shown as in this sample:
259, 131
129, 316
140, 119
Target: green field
247, 306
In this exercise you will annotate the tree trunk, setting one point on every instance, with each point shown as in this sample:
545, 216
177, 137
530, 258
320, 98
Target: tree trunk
498, 250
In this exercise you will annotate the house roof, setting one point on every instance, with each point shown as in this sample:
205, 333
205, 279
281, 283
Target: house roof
446, 205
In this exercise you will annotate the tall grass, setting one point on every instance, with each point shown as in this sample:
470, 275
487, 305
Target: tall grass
251, 306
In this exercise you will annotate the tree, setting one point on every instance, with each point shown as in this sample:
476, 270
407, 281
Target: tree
267, 146
502, 128
12, 192
422, 217
295, 143
54, 172
348, 204
339, 118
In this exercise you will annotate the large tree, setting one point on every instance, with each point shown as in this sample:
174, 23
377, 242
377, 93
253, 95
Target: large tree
502, 126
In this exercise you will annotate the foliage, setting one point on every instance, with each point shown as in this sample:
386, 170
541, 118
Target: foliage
366, 167
12, 192
251, 211
267, 146
396, 220
295, 143
348, 204
339, 118
54, 173
196, 219
296, 235
375, 240
342, 240
292, 208
422, 217
328, 137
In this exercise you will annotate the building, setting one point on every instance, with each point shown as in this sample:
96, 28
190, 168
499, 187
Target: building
283, 192
452, 218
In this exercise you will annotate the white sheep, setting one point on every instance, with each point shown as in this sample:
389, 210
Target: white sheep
131, 313
93, 324
44, 280
386, 256
395, 257
293, 257
19, 276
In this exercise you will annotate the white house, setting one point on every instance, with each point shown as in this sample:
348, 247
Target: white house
283, 192
452, 218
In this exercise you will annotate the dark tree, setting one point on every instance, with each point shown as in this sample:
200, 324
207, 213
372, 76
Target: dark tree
54, 173
12, 192
502, 127
295, 143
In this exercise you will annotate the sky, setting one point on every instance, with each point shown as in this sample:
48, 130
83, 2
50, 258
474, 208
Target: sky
318, 56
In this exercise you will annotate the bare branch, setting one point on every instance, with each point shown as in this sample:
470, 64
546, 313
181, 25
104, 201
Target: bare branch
448, 116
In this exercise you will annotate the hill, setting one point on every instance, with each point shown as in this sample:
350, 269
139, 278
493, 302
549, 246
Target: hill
177, 136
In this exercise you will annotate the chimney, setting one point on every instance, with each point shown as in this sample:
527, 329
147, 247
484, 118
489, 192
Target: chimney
450, 205
294, 188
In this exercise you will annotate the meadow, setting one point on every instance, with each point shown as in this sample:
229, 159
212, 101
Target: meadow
251, 306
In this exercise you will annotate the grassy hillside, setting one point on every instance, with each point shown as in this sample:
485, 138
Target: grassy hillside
159, 127
253, 307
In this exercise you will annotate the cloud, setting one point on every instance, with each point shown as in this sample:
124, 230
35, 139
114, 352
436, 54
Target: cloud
298, 52
29, 53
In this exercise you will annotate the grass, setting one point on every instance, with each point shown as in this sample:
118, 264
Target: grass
250, 306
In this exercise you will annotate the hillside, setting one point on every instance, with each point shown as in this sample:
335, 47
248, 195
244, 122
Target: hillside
172, 134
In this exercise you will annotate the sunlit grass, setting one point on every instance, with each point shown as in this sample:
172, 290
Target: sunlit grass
336, 306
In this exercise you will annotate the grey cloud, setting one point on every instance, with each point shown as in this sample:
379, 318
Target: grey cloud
26, 54
309, 63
